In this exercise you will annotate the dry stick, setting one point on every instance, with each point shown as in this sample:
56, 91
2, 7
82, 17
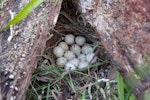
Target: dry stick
68, 17
89, 91
58, 40
95, 54
34, 89
47, 57
53, 93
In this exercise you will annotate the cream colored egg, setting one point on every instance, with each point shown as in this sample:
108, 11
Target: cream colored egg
69, 55
69, 39
74, 61
91, 58
61, 61
82, 57
63, 45
80, 40
69, 66
76, 49
83, 64
58, 51
87, 49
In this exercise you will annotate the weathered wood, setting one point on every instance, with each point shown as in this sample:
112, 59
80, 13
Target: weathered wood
124, 29
18, 58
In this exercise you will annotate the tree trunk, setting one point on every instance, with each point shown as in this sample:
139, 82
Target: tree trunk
124, 29
22, 44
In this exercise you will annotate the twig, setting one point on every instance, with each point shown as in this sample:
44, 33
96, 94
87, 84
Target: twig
68, 17
12, 14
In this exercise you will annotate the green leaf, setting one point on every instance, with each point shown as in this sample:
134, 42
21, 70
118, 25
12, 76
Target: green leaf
120, 86
146, 95
24, 12
83, 95
132, 97
48, 91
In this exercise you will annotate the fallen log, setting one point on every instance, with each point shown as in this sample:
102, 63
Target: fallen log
123, 27
22, 44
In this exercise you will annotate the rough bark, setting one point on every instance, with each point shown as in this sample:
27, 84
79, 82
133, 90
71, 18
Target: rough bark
124, 29
18, 58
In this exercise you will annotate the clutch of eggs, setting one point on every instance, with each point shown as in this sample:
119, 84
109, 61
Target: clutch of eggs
74, 52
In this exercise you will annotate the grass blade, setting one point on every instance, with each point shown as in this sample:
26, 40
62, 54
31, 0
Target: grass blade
83, 95
24, 12
48, 92
120, 86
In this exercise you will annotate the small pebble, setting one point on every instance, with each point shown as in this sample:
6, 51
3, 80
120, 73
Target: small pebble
11, 76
